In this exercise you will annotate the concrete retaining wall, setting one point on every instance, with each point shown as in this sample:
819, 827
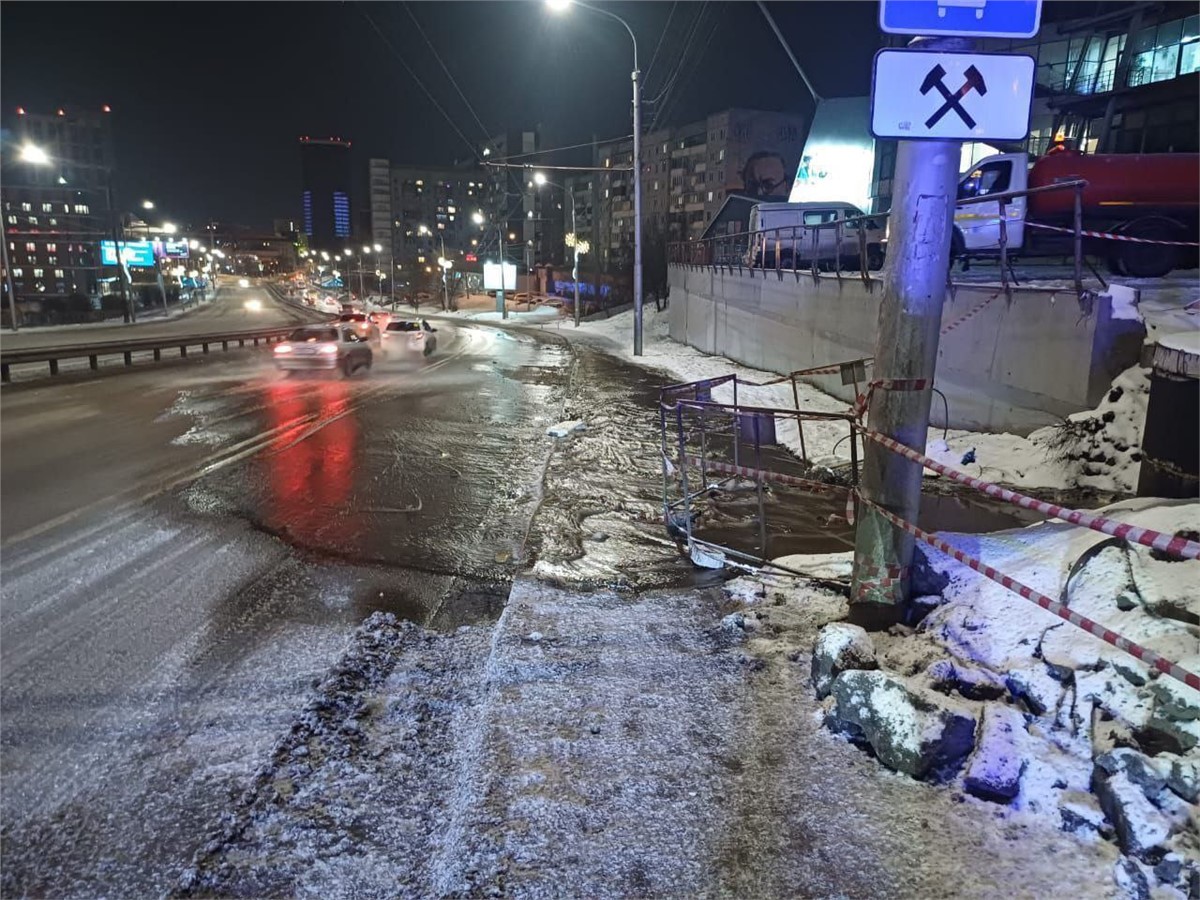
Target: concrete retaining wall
1014, 366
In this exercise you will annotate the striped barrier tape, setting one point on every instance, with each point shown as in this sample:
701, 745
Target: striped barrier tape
1149, 657
817, 487
888, 384
1108, 235
1167, 543
979, 307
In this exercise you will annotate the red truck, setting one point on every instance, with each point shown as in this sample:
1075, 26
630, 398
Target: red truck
1151, 196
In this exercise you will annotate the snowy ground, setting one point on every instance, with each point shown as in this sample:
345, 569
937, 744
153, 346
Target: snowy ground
1083, 710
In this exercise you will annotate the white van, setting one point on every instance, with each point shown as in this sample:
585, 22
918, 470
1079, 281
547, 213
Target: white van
789, 232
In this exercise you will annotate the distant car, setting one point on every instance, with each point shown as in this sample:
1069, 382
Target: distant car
323, 348
417, 337
380, 319
362, 324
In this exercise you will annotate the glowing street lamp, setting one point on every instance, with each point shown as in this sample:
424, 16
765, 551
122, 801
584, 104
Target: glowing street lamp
34, 155
168, 228
561, 6
147, 204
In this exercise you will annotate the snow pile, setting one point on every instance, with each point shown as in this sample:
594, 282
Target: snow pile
1097, 449
563, 429
1070, 730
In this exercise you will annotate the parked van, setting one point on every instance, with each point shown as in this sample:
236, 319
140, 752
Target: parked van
790, 232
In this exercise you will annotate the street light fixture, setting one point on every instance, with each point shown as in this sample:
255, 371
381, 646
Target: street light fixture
562, 6
147, 204
168, 228
34, 155
572, 240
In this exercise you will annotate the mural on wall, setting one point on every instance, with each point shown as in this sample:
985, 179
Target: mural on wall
766, 174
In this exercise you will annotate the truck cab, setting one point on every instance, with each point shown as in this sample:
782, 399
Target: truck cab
977, 225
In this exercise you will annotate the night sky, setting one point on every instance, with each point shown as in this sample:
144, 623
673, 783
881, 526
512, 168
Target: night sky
210, 98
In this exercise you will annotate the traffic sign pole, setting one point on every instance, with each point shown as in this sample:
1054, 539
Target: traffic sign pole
910, 317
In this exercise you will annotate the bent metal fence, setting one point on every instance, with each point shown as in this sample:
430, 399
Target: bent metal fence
710, 448
857, 244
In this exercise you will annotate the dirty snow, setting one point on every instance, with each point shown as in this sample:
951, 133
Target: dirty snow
1078, 694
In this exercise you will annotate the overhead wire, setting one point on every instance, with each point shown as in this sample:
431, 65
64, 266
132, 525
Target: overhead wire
662, 112
428, 43
413, 75
623, 137
688, 35
662, 35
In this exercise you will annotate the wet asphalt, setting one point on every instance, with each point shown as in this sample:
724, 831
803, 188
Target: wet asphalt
187, 548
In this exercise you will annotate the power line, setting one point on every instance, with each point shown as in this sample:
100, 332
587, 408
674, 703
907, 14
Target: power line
502, 165
661, 36
420, 84
671, 80
482, 128
695, 62
623, 137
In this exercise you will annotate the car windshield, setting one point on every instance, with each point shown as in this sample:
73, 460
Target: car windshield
302, 335
403, 326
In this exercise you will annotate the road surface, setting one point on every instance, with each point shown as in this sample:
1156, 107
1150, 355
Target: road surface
187, 548
227, 312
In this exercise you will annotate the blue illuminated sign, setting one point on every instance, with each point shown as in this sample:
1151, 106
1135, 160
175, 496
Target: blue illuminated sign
965, 18
135, 253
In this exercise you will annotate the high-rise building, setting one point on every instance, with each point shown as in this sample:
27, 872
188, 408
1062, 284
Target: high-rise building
433, 209
56, 210
687, 172
325, 202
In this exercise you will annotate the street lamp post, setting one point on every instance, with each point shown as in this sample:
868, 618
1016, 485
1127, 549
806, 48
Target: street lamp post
577, 245
559, 6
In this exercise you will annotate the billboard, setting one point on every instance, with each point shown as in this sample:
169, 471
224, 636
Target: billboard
174, 249
133, 253
839, 155
491, 277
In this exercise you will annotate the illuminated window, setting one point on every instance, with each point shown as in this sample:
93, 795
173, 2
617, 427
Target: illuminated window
12, 220
81, 209
38, 273
341, 214
30, 247
25, 207
53, 260
52, 248
46, 207
18, 273
58, 273
33, 220
53, 221
306, 201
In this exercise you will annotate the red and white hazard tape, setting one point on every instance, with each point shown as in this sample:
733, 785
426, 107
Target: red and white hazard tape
979, 307
817, 487
1167, 543
1149, 657
835, 369
888, 384
1108, 235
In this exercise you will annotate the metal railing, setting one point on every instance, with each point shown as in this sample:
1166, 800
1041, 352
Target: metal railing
701, 438
784, 248
126, 348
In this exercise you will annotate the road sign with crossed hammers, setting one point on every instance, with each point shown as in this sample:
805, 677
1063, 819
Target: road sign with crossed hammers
944, 95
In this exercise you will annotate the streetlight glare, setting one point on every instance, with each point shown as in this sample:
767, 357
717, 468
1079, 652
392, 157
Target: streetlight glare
168, 228
558, 5
377, 248
477, 218
32, 153
539, 178
147, 204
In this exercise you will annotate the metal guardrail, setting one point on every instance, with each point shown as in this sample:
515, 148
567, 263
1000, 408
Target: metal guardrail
783, 248
126, 348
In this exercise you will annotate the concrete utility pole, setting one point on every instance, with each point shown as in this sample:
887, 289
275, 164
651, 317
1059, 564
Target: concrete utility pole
910, 318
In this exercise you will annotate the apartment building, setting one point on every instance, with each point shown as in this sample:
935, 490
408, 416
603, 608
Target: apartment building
688, 171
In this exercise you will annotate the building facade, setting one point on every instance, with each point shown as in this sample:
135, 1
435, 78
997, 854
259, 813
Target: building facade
325, 198
687, 172
57, 212
1123, 80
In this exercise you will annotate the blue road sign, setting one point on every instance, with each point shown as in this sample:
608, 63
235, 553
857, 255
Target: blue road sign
965, 18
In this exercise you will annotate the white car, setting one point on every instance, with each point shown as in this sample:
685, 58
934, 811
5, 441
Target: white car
407, 334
